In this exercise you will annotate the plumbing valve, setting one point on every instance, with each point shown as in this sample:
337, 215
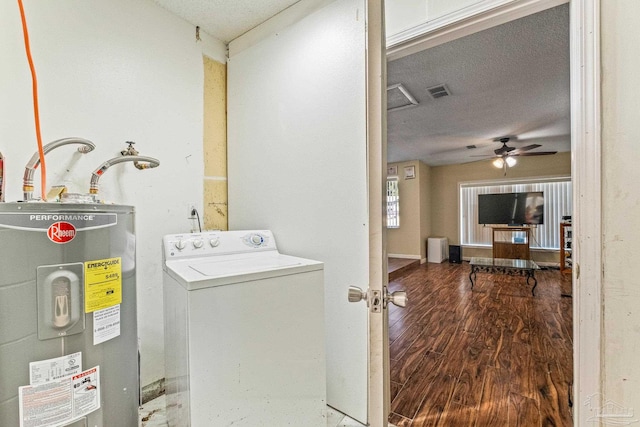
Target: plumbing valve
130, 151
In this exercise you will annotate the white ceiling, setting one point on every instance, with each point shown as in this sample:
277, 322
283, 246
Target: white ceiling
510, 80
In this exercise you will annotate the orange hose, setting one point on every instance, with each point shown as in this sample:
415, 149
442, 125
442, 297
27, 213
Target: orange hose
36, 112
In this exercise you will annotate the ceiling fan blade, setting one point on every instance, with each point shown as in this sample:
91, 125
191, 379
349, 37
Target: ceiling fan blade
482, 155
535, 153
528, 147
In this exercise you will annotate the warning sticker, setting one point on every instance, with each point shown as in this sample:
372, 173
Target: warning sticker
59, 402
102, 284
86, 392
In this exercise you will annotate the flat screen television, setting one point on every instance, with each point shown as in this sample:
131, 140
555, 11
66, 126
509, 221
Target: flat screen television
511, 208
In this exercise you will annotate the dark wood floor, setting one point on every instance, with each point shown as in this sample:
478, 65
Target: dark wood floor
494, 356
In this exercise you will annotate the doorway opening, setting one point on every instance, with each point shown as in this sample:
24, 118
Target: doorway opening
474, 356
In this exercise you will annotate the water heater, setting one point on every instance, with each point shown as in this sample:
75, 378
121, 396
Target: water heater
68, 331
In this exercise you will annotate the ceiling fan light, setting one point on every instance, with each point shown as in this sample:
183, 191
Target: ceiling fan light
498, 163
511, 162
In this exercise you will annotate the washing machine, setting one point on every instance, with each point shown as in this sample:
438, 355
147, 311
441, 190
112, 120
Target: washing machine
244, 332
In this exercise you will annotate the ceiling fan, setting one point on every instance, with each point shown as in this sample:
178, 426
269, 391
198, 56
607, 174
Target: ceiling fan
504, 157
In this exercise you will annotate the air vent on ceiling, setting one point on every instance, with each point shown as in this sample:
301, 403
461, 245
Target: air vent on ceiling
438, 91
398, 97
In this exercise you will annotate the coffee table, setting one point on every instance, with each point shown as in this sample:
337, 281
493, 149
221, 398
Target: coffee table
512, 267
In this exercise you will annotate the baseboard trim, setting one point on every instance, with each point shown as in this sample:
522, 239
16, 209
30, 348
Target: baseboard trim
403, 256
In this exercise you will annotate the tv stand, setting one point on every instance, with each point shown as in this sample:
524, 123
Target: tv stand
511, 242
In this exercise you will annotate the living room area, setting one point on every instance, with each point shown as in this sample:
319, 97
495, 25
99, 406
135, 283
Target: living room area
487, 337
483, 349
480, 349
488, 112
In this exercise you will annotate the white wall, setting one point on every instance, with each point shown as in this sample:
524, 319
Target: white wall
621, 201
112, 71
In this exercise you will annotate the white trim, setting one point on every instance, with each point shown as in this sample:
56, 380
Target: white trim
403, 256
213, 48
215, 178
461, 23
587, 205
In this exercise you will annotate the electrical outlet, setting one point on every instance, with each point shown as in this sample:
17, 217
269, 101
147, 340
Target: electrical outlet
190, 211
194, 218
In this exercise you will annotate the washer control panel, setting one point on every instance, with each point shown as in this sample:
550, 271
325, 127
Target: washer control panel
256, 239
213, 243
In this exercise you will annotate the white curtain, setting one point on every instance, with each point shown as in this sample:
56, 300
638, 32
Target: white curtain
557, 203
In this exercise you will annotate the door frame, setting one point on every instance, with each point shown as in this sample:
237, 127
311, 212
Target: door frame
379, 399
585, 172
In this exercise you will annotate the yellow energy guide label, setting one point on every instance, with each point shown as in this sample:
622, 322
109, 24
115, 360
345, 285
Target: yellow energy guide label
102, 284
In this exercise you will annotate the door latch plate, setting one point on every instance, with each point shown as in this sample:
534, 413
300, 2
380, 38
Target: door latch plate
376, 301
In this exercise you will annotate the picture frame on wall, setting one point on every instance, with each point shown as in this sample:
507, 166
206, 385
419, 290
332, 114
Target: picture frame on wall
409, 172
392, 170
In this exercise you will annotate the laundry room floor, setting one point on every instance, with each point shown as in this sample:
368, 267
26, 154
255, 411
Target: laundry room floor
152, 414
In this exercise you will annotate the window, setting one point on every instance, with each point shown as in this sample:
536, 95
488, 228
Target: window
393, 203
557, 203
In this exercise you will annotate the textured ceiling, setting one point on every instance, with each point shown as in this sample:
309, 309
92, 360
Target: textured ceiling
225, 19
510, 80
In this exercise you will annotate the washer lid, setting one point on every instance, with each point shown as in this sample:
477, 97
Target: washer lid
207, 272
242, 265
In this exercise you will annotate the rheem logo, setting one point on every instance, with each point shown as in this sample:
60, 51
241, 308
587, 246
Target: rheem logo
61, 232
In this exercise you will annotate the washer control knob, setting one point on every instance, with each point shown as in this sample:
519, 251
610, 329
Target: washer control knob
197, 243
256, 239
214, 242
179, 244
